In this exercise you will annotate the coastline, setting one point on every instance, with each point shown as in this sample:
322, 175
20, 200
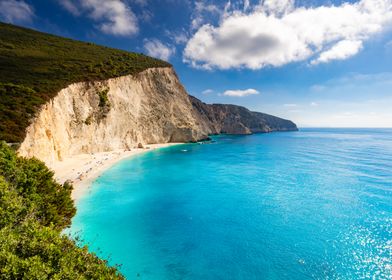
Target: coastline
82, 170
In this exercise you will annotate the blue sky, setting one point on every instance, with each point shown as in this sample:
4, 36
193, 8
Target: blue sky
319, 63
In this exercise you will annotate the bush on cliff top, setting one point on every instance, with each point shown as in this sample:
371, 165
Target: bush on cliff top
33, 211
34, 66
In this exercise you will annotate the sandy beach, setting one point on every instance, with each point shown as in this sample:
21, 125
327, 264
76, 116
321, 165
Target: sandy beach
83, 169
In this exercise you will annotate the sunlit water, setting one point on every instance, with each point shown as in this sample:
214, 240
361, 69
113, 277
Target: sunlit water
314, 204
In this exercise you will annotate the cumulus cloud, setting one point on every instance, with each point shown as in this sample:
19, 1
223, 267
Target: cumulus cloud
277, 32
118, 18
113, 16
13, 11
341, 50
158, 49
241, 93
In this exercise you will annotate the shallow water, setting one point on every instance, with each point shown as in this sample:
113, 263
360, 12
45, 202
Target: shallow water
314, 204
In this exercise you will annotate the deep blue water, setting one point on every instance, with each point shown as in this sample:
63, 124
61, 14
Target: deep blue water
314, 204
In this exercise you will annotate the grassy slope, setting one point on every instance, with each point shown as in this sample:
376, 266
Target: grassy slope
34, 66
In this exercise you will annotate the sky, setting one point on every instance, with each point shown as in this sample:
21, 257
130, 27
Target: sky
319, 63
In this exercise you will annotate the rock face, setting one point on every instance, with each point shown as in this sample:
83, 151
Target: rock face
119, 113
234, 119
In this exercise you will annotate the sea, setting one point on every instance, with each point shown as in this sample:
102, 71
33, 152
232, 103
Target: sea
312, 204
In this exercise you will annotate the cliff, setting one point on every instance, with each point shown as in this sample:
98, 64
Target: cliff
150, 107
232, 119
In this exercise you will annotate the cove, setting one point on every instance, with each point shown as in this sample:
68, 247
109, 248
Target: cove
313, 204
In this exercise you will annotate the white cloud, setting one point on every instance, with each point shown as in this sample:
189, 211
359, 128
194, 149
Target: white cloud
113, 16
207, 91
13, 11
341, 50
241, 93
313, 104
70, 6
201, 11
277, 6
118, 18
277, 32
179, 37
157, 49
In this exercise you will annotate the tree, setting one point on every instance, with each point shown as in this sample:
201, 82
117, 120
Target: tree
34, 209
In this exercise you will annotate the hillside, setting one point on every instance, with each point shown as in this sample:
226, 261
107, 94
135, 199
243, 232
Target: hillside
34, 210
233, 119
34, 66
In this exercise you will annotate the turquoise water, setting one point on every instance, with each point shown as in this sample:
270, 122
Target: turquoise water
314, 204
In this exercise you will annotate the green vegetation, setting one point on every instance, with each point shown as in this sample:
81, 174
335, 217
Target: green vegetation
103, 98
17, 105
34, 66
34, 209
88, 120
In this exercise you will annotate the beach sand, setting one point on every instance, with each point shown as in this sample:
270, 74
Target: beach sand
82, 170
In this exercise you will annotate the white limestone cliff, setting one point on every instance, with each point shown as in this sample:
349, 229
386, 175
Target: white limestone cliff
150, 107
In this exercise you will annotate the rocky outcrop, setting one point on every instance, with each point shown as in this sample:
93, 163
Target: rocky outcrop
234, 119
147, 108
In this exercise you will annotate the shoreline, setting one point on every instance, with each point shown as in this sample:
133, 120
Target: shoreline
82, 170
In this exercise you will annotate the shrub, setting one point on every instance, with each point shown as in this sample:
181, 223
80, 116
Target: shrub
103, 98
34, 209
